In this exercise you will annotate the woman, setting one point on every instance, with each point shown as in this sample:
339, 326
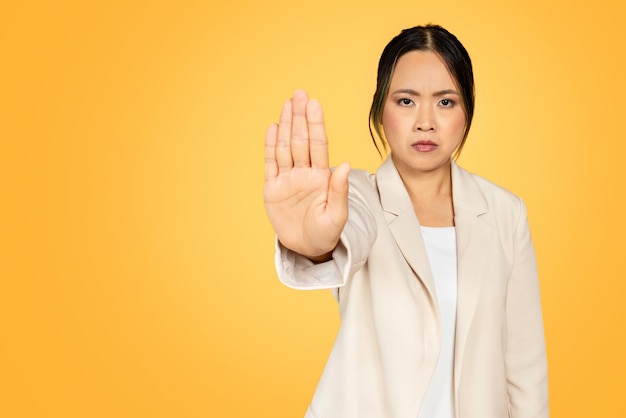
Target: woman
433, 267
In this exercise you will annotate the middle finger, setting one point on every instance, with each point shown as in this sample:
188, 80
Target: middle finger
300, 130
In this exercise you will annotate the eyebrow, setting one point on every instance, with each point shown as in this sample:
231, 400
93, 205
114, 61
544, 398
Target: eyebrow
415, 93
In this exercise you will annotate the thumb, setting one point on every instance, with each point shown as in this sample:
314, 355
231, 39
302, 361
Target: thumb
338, 192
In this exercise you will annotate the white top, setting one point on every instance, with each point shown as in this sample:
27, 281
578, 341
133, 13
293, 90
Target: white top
441, 249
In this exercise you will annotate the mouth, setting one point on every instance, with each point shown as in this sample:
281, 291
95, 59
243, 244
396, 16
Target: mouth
424, 146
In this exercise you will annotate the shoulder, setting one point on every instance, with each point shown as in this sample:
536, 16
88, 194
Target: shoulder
491, 189
362, 182
360, 176
473, 190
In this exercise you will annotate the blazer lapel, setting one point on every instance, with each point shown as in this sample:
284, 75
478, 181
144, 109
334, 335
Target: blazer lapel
403, 224
473, 239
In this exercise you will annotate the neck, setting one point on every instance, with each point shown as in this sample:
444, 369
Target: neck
431, 194
425, 185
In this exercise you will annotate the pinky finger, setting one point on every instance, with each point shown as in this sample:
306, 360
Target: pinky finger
271, 166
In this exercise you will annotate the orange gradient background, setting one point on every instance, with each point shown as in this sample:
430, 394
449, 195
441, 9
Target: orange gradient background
136, 260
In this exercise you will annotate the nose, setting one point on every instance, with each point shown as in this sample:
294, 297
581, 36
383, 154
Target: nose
424, 119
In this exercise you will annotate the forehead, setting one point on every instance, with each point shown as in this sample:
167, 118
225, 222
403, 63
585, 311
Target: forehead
422, 68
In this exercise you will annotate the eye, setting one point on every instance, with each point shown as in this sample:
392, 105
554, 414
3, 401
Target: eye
405, 102
446, 103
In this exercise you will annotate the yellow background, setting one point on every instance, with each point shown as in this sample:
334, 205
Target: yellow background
136, 261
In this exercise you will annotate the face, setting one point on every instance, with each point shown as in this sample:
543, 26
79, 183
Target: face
423, 117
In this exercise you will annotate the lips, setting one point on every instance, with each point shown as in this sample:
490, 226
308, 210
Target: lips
424, 146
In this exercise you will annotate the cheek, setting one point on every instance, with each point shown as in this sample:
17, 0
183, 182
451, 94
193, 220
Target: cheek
385, 117
390, 131
457, 123
391, 123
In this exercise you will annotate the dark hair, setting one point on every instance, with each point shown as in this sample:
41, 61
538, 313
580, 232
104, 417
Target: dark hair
423, 38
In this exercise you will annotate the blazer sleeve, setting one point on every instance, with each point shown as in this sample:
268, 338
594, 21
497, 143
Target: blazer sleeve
526, 365
357, 238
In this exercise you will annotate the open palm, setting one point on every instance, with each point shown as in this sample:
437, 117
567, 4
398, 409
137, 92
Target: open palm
306, 203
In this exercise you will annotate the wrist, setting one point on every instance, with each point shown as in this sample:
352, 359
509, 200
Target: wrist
321, 258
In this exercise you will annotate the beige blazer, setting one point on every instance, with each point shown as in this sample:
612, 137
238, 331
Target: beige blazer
387, 346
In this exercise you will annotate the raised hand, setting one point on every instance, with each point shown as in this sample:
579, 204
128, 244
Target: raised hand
306, 203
